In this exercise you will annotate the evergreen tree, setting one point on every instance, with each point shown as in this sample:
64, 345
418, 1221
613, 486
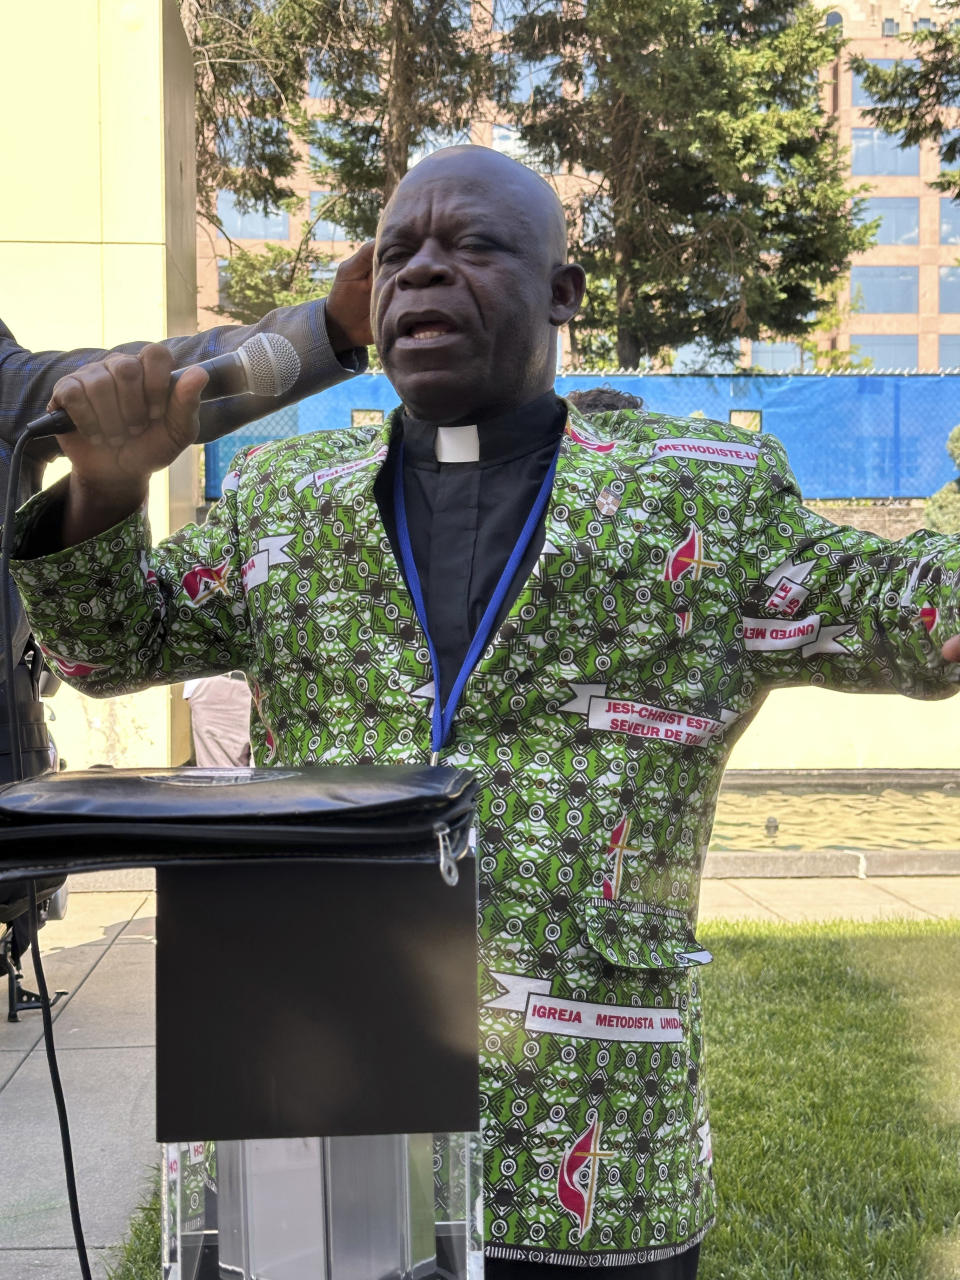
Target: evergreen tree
715, 203
255, 282
396, 78
916, 99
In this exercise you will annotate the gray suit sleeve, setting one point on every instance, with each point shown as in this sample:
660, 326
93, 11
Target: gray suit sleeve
27, 378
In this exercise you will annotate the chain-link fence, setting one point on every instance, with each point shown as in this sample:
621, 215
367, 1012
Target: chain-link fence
848, 435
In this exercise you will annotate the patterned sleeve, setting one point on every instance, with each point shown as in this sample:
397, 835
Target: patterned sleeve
838, 607
114, 614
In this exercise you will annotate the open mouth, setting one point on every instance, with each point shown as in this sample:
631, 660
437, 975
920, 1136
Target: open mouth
425, 327
423, 332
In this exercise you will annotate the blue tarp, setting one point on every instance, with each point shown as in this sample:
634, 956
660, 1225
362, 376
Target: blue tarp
848, 435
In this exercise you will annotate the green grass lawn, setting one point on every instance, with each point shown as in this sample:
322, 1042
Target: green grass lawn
833, 1056
834, 1064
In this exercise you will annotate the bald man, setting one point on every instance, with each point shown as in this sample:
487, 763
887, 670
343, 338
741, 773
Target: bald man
586, 615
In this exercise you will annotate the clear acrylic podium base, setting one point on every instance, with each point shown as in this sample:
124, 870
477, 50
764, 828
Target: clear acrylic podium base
375, 1207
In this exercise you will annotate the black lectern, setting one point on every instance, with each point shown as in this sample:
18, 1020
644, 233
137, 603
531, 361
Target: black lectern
316, 986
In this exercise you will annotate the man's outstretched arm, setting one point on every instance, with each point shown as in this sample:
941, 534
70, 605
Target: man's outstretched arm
840, 607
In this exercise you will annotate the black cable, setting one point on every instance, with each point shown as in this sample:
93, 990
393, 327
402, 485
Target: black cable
57, 1086
16, 761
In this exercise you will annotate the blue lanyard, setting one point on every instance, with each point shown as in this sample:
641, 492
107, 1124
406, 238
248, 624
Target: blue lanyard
443, 715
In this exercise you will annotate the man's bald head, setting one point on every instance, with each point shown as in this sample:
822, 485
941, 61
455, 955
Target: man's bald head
471, 284
530, 196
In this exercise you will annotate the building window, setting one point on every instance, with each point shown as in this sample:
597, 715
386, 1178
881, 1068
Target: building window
885, 290
950, 289
949, 220
834, 19
859, 96
887, 350
899, 218
317, 88
924, 24
875, 152
323, 228
252, 225
950, 351
776, 357
891, 27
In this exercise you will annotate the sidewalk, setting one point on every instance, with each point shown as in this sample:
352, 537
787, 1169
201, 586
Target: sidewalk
103, 953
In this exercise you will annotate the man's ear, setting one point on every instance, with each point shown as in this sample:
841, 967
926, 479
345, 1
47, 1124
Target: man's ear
568, 284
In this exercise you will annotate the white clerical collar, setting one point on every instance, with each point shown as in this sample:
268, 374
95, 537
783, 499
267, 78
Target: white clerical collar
458, 444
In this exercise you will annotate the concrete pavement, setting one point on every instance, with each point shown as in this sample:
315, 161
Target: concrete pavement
103, 954
812, 898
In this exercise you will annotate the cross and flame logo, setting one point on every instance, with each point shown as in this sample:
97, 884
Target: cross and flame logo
577, 1175
687, 557
618, 847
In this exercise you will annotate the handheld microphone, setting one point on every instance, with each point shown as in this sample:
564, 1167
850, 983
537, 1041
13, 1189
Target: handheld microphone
265, 365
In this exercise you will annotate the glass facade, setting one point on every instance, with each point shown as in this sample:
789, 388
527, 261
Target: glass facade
860, 97
873, 152
950, 289
949, 221
885, 290
950, 351
887, 350
899, 218
776, 357
253, 224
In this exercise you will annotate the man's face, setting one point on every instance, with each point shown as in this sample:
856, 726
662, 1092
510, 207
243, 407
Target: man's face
462, 294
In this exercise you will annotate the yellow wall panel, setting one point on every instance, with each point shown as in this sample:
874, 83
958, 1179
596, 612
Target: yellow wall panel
134, 292
49, 90
52, 295
98, 210
131, 108
821, 729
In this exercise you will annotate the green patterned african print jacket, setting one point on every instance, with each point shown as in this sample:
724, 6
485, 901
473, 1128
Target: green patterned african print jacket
680, 579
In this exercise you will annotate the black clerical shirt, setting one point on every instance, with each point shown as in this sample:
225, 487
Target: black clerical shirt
464, 518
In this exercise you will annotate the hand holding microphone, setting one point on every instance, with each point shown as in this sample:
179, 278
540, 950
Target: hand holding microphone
121, 419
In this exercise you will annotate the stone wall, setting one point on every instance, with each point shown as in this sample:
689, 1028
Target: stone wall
890, 517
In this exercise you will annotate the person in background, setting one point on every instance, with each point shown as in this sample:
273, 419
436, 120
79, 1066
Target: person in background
602, 400
220, 720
